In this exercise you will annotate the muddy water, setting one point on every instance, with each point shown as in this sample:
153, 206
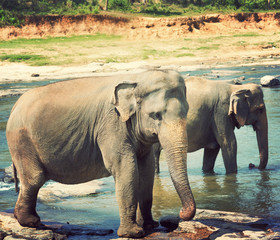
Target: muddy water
250, 191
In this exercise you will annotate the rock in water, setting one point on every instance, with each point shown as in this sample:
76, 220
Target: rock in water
269, 81
195, 230
170, 222
10, 229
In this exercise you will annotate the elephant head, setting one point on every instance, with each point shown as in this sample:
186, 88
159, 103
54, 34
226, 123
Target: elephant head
156, 111
247, 108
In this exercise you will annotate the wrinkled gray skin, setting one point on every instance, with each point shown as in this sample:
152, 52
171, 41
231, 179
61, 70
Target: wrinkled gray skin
79, 130
215, 109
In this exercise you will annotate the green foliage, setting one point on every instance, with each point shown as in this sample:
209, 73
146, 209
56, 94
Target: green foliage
9, 18
11, 11
158, 9
121, 5
252, 5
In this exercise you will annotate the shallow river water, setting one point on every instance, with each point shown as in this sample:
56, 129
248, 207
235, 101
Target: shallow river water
250, 191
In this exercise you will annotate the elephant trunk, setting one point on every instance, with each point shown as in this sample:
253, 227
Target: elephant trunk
261, 128
173, 138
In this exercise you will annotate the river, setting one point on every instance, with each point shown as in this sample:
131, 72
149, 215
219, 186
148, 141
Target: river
250, 191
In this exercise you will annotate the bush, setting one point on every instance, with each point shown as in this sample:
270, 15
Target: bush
253, 5
9, 18
122, 5
159, 9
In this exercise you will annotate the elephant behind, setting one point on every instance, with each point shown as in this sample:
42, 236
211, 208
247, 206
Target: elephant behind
84, 129
216, 108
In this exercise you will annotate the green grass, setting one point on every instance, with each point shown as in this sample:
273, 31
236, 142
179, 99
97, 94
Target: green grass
148, 53
185, 55
184, 48
211, 47
251, 34
21, 42
22, 58
53, 50
110, 59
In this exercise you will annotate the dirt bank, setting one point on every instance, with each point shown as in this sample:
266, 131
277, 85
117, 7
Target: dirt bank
142, 27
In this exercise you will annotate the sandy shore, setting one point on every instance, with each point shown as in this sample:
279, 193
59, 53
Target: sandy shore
19, 72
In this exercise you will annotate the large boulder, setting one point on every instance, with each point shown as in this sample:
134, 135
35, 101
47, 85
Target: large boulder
7, 175
269, 81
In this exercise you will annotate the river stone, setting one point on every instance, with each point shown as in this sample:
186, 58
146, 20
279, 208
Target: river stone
14, 230
237, 81
35, 75
195, 230
269, 81
11, 229
170, 222
9, 174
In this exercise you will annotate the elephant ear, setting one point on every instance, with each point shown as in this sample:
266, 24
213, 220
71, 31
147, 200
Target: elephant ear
124, 100
239, 107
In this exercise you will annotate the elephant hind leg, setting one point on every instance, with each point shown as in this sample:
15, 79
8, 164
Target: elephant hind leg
31, 175
25, 211
209, 159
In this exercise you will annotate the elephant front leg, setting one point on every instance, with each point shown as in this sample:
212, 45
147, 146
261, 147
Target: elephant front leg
126, 182
120, 160
209, 159
224, 133
146, 166
124, 169
229, 152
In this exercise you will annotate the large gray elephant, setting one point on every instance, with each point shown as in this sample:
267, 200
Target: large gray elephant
215, 109
79, 130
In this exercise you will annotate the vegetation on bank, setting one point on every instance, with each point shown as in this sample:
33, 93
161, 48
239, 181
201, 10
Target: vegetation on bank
13, 11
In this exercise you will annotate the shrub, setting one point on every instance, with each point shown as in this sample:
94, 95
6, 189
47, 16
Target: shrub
122, 5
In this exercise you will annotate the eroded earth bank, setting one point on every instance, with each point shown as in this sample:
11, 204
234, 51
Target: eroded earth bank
141, 27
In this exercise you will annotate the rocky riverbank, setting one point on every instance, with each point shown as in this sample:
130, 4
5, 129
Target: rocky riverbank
207, 224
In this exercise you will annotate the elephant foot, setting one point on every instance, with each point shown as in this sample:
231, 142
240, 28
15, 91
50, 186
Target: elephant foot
150, 225
131, 231
28, 220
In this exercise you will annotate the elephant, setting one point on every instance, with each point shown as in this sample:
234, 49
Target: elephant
79, 130
215, 109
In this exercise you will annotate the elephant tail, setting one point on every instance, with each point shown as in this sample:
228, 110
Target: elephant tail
15, 178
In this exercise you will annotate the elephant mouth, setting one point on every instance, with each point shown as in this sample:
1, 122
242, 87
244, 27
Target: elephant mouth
255, 126
234, 120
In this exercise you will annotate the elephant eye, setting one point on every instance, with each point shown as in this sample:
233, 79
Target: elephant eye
155, 115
